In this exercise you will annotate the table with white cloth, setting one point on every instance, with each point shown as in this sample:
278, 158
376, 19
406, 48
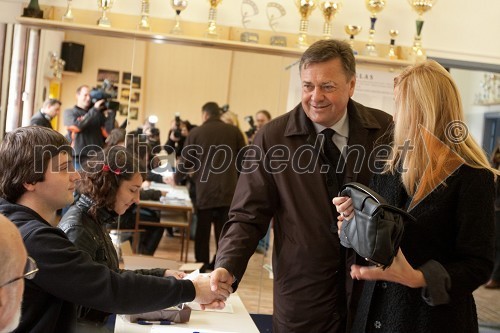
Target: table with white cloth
237, 321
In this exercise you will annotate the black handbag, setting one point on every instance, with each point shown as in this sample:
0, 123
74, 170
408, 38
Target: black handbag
376, 229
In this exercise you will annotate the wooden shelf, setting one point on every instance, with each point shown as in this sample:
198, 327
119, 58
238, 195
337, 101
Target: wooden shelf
158, 37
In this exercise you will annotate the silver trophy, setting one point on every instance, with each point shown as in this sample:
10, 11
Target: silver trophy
68, 16
104, 6
178, 6
144, 22
249, 37
272, 9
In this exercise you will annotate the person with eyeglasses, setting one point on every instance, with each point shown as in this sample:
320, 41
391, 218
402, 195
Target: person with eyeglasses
37, 178
14, 268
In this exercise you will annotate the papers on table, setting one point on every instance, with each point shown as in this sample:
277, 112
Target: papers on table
173, 192
158, 329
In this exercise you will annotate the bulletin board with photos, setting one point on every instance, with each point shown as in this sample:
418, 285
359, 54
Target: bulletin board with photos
127, 91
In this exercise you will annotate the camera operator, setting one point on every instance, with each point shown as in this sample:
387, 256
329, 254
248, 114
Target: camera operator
177, 135
262, 117
88, 125
152, 134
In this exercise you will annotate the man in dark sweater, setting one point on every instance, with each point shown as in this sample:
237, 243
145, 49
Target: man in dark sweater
88, 125
37, 178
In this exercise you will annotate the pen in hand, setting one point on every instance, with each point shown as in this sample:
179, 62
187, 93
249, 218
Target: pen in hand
154, 322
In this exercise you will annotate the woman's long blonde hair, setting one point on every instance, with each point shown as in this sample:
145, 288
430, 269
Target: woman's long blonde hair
429, 115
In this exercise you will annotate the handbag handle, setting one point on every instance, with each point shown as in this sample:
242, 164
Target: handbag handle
377, 197
365, 189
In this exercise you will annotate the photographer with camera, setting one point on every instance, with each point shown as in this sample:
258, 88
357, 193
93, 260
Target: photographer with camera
89, 122
262, 117
177, 135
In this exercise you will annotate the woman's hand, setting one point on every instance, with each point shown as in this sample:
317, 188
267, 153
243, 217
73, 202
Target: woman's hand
400, 272
176, 274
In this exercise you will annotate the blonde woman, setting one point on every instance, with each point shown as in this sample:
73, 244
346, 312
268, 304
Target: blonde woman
231, 118
445, 181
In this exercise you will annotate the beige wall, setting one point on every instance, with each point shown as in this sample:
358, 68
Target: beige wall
104, 53
182, 78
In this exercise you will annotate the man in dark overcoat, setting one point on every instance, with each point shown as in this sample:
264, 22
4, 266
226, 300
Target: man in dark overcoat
290, 177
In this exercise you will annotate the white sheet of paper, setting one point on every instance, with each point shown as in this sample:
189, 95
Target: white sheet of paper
160, 329
196, 307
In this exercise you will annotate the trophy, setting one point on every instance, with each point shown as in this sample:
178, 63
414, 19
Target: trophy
56, 66
212, 17
420, 6
374, 7
33, 10
178, 6
392, 49
104, 5
329, 8
305, 9
274, 6
68, 16
249, 37
352, 31
144, 22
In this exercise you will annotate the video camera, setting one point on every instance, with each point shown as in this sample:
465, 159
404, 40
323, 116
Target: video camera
253, 128
107, 91
177, 130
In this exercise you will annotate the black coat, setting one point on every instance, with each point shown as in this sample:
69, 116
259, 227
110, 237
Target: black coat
213, 148
68, 277
455, 228
309, 278
39, 119
90, 235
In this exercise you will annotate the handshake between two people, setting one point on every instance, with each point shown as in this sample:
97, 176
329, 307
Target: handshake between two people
212, 291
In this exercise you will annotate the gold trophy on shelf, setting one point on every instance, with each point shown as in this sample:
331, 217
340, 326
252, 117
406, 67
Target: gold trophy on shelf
421, 7
144, 22
68, 16
305, 9
374, 7
352, 31
276, 40
178, 6
392, 46
104, 6
212, 17
329, 8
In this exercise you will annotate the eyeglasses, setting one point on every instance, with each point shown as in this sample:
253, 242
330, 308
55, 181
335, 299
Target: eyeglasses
29, 272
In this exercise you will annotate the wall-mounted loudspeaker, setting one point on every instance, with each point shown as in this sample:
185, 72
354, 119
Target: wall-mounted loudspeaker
72, 54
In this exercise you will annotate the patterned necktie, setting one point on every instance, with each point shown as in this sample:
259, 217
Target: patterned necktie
334, 155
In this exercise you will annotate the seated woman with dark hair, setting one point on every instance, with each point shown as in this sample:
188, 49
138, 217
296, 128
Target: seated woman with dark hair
110, 184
